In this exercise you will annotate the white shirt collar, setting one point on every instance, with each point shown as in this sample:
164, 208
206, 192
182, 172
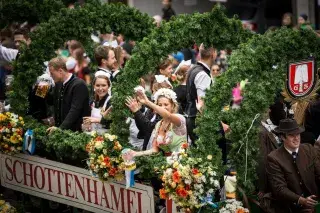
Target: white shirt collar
67, 79
115, 73
290, 152
206, 66
103, 69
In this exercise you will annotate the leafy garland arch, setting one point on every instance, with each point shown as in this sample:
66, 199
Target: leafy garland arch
69, 24
212, 29
262, 59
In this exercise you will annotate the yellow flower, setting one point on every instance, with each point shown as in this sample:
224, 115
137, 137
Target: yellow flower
3, 117
119, 177
209, 157
14, 139
2, 202
175, 164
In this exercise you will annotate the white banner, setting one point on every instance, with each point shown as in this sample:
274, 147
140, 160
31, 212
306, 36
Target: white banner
72, 186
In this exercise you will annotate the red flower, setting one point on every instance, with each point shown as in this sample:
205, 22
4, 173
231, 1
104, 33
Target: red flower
112, 171
106, 160
188, 187
163, 194
176, 177
184, 146
195, 171
181, 192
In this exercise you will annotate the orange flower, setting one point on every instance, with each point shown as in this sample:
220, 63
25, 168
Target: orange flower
99, 138
184, 146
240, 210
195, 171
176, 177
163, 194
173, 77
181, 192
88, 147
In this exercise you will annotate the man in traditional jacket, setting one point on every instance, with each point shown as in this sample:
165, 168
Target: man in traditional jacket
70, 97
294, 171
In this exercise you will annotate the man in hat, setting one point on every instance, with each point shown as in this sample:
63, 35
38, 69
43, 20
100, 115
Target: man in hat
294, 170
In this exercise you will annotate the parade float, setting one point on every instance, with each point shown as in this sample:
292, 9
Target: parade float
191, 178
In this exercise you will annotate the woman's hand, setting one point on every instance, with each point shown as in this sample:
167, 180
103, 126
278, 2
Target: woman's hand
133, 104
107, 112
142, 98
90, 120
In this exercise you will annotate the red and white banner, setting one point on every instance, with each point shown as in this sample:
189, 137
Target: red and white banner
72, 186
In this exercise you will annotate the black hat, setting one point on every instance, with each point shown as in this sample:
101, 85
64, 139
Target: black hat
304, 16
289, 126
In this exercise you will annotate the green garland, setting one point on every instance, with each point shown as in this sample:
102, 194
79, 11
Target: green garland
69, 24
263, 61
33, 11
213, 29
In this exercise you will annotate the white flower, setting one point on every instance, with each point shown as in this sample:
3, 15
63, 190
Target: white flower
210, 191
168, 93
187, 181
216, 183
139, 88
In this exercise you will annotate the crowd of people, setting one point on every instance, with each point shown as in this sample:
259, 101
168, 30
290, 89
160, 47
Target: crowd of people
70, 95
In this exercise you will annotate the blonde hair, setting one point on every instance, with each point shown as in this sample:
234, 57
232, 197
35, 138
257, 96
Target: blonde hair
175, 104
58, 63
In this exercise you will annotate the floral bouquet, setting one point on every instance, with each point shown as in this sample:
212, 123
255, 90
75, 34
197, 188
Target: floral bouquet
233, 206
6, 207
11, 133
105, 159
189, 182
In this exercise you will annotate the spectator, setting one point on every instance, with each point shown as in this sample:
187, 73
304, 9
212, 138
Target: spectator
294, 170
105, 58
167, 10
287, 20
181, 90
215, 72
101, 105
70, 97
157, 20
198, 81
165, 68
145, 118
170, 132
81, 69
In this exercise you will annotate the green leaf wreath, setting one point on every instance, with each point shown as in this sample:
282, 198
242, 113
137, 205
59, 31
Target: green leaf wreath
212, 29
68, 24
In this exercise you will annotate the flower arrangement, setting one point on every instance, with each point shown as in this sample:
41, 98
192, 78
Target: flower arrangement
233, 206
5, 207
105, 159
189, 182
11, 133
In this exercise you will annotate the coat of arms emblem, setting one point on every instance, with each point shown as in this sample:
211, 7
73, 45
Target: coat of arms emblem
301, 86
301, 78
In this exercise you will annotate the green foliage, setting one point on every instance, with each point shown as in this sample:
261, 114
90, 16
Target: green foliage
69, 24
64, 146
254, 61
33, 11
213, 29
